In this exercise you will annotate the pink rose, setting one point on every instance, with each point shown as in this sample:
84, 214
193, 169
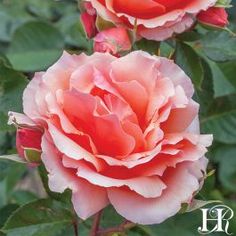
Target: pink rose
113, 40
88, 20
214, 16
121, 131
155, 19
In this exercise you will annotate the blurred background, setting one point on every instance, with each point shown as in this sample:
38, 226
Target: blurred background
33, 35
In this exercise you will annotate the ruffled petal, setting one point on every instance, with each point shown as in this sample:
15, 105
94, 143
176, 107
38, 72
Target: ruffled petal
61, 179
149, 187
180, 118
124, 69
70, 148
155, 211
169, 69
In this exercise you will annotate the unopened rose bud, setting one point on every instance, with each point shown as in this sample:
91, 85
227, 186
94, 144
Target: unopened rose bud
113, 40
28, 144
214, 16
88, 19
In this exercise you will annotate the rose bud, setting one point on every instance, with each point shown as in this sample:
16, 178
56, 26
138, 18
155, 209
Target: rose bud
28, 144
214, 16
114, 41
88, 19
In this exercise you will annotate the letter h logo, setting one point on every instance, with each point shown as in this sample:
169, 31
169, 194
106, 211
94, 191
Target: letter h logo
220, 215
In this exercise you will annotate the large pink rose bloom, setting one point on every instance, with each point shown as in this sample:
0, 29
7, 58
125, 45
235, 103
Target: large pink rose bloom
155, 19
121, 131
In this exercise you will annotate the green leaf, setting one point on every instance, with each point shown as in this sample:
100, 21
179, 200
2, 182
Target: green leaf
225, 156
148, 45
13, 157
35, 46
219, 46
4, 168
221, 79
205, 95
44, 9
84, 228
189, 36
4, 127
42, 217
51, 10
229, 71
5, 212
11, 17
222, 125
72, 28
13, 176
12, 84
4, 144
22, 197
190, 62
11, 172
166, 50
4, 30
110, 218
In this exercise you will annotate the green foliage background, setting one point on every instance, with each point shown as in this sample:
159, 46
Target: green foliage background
33, 35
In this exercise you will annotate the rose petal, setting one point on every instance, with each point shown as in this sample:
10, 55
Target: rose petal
70, 148
180, 118
149, 187
82, 191
155, 211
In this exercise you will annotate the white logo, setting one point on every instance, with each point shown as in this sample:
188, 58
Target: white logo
220, 215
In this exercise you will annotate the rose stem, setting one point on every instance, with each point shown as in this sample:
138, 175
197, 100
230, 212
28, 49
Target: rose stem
119, 229
75, 225
95, 225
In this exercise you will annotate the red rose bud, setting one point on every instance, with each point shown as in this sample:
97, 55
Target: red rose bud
214, 16
113, 41
28, 144
88, 19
